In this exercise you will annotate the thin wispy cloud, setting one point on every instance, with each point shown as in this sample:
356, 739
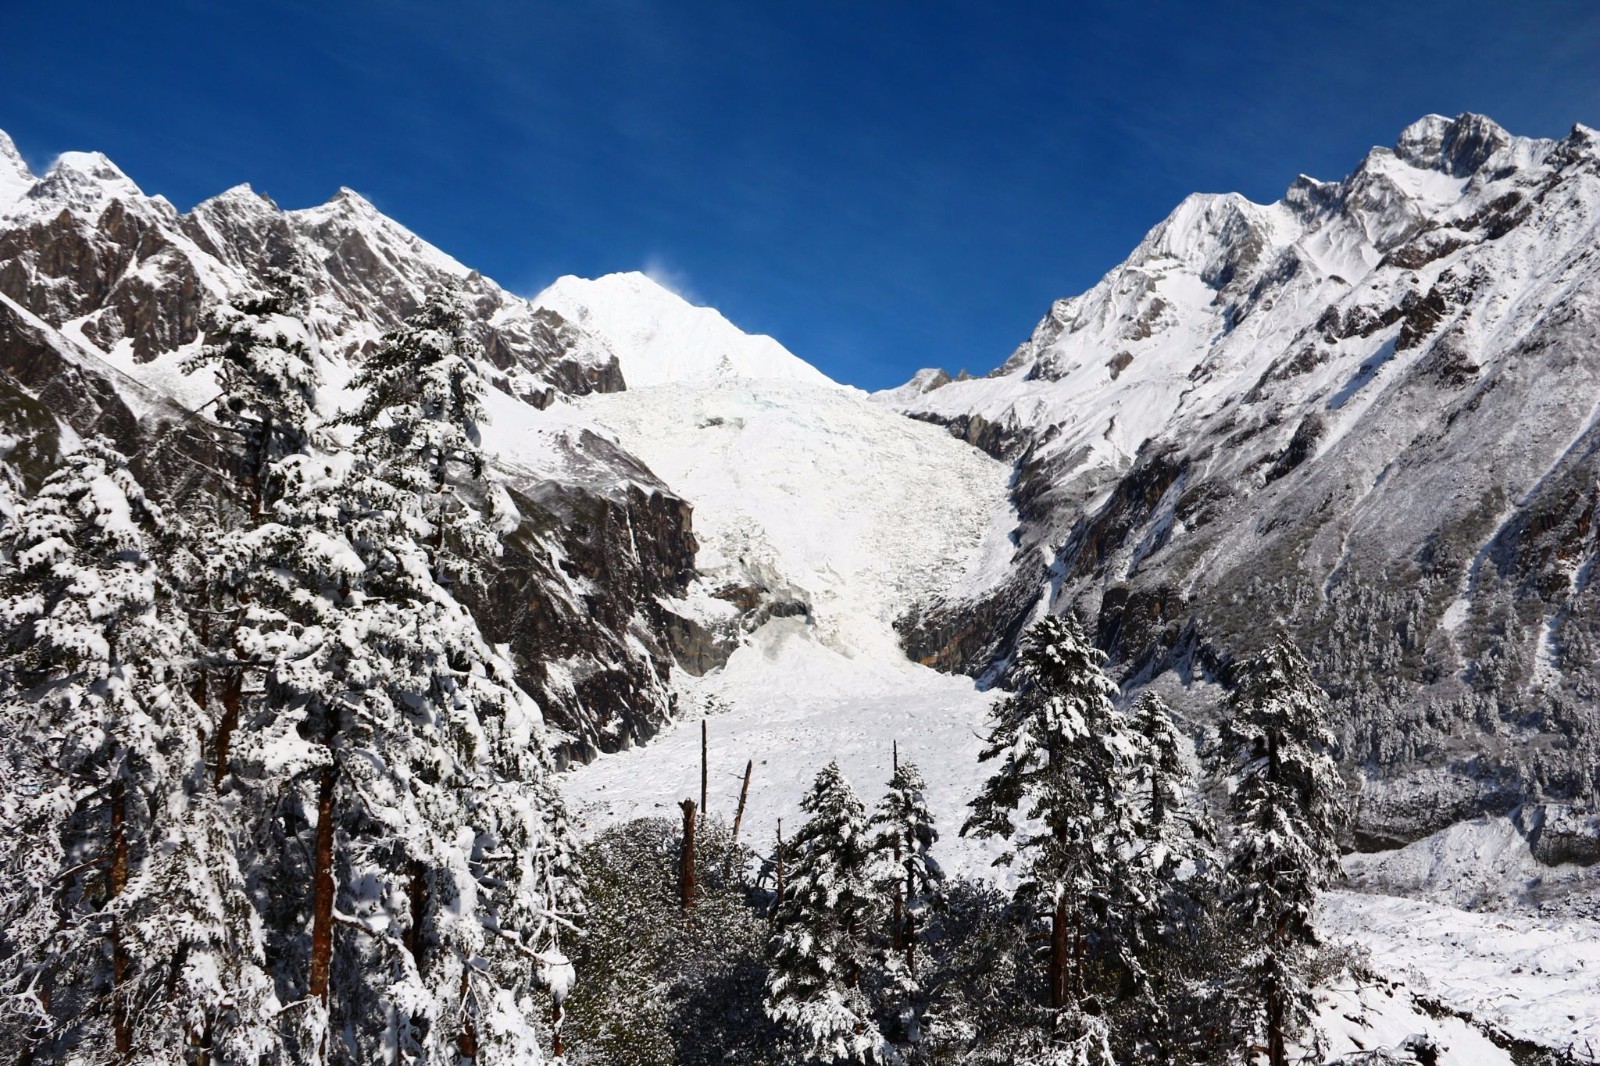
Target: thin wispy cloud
671, 278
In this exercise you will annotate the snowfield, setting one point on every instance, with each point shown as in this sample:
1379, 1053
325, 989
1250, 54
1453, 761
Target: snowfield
816, 491
793, 705
1530, 978
660, 337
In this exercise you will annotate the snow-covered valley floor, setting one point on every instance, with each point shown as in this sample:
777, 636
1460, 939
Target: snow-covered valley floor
792, 705
1531, 978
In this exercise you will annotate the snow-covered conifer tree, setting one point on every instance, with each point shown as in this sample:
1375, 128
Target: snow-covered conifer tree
1065, 753
1286, 809
910, 879
410, 781
419, 419
904, 835
124, 930
821, 943
264, 360
262, 357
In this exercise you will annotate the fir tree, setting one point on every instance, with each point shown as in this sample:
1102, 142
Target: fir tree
1064, 752
415, 777
1171, 888
419, 420
1286, 810
124, 930
909, 877
263, 360
821, 947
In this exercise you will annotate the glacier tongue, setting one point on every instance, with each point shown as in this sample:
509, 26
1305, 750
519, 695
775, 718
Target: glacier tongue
815, 492
821, 497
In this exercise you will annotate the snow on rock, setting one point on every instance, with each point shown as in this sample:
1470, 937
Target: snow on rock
1534, 979
658, 336
15, 177
1358, 1020
1482, 864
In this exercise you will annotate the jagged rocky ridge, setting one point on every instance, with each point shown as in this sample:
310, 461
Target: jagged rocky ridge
104, 289
1366, 413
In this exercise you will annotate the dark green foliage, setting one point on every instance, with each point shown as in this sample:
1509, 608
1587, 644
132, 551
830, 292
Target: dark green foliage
656, 986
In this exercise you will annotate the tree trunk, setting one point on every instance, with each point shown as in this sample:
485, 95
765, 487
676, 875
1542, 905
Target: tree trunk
232, 700
417, 891
322, 884
911, 919
1277, 1042
467, 1042
121, 1024
258, 477
1058, 954
686, 859
557, 1045
777, 855
744, 794
703, 772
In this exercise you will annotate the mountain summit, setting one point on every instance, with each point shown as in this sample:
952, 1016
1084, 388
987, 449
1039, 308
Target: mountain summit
659, 336
1364, 413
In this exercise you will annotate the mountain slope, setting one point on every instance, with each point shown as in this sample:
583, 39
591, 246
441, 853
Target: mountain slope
658, 336
104, 292
1365, 413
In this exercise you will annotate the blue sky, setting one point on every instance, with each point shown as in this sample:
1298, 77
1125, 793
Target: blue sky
881, 186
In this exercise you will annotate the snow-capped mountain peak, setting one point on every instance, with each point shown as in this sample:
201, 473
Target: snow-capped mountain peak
86, 182
15, 177
1458, 146
660, 337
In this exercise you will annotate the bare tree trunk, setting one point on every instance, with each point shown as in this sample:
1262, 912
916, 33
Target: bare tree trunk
1059, 955
703, 765
1277, 1042
417, 891
322, 883
744, 794
686, 859
232, 700
777, 899
557, 1046
121, 1024
467, 1042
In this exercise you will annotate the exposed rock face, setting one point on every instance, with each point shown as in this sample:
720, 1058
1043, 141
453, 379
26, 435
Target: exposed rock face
102, 289
1365, 414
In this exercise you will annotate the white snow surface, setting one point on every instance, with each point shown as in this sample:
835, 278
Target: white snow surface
818, 493
659, 337
1357, 1019
15, 177
1532, 978
793, 705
